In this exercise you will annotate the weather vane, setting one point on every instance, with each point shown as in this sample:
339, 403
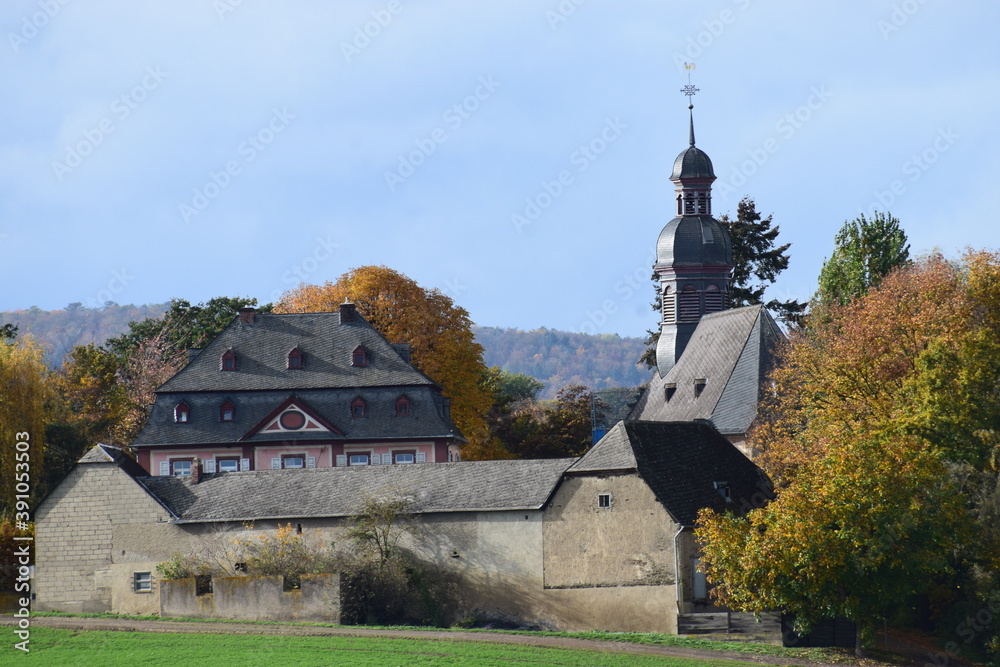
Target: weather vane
689, 89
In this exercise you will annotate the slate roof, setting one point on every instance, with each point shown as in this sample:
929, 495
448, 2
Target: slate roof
426, 419
692, 162
682, 243
681, 462
327, 381
326, 344
335, 492
732, 351
101, 453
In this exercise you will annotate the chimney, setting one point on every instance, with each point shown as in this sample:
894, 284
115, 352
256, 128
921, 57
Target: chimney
247, 314
348, 312
196, 471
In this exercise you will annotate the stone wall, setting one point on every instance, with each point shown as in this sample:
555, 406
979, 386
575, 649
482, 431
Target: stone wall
75, 540
255, 599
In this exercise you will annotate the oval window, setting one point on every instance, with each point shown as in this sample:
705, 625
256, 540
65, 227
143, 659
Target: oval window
292, 420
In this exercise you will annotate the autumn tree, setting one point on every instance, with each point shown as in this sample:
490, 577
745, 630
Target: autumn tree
439, 334
183, 326
561, 428
24, 395
873, 410
865, 251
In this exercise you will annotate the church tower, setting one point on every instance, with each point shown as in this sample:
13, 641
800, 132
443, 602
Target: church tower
694, 254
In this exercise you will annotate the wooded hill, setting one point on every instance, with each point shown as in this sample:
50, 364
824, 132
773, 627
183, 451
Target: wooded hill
556, 358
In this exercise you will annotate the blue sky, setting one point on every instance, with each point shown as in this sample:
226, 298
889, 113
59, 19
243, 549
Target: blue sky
200, 148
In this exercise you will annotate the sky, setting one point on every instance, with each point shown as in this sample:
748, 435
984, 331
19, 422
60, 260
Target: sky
514, 155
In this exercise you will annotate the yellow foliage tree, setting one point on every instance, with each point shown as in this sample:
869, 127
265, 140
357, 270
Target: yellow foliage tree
24, 394
439, 334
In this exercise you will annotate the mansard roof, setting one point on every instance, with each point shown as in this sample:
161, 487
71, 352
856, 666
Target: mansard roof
682, 462
732, 351
471, 486
332, 406
326, 343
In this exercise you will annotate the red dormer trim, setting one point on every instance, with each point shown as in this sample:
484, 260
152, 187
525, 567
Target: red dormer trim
403, 406
295, 359
358, 407
228, 361
227, 411
301, 405
182, 413
360, 356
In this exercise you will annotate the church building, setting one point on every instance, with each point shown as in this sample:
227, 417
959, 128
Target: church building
710, 360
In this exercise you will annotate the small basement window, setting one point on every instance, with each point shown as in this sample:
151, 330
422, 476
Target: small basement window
142, 582
182, 413
604, 500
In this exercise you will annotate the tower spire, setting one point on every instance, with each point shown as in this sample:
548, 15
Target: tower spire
690, 90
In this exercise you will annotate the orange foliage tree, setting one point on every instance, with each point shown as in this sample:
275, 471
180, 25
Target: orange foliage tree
873, 408
439, 334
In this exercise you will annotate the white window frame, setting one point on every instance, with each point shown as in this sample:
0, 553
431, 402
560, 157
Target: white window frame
366, 455
412, 455
604, 501
228, 460
142, 582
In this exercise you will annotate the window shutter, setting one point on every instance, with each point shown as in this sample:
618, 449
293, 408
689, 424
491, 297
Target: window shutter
209, 465
276, 464
310, 461
341, 459
387, 458
244, 464
375, 459
164, 468
421, 457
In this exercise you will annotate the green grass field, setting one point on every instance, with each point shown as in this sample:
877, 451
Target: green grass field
51, 646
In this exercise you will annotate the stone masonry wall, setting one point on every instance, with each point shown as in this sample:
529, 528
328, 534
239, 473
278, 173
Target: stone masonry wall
255, 599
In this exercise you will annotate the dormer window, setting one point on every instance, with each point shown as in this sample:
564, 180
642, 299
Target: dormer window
699, 386
402, 407
295, 359
182, 413
723, 490
358, 407
669, 389
227, 412
228, 362
359, 357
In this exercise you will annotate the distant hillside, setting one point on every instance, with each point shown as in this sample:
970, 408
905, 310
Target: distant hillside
557, 358
560, 358
60, 330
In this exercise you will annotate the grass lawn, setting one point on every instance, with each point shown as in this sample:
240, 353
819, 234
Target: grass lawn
50, 646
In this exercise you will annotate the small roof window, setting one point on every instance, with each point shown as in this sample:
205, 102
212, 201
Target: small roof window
228, 361
295, 359
359, 357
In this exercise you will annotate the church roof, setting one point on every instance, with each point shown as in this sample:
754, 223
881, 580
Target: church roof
692, 163
682, 242
731, 351
470, 486
683, 463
